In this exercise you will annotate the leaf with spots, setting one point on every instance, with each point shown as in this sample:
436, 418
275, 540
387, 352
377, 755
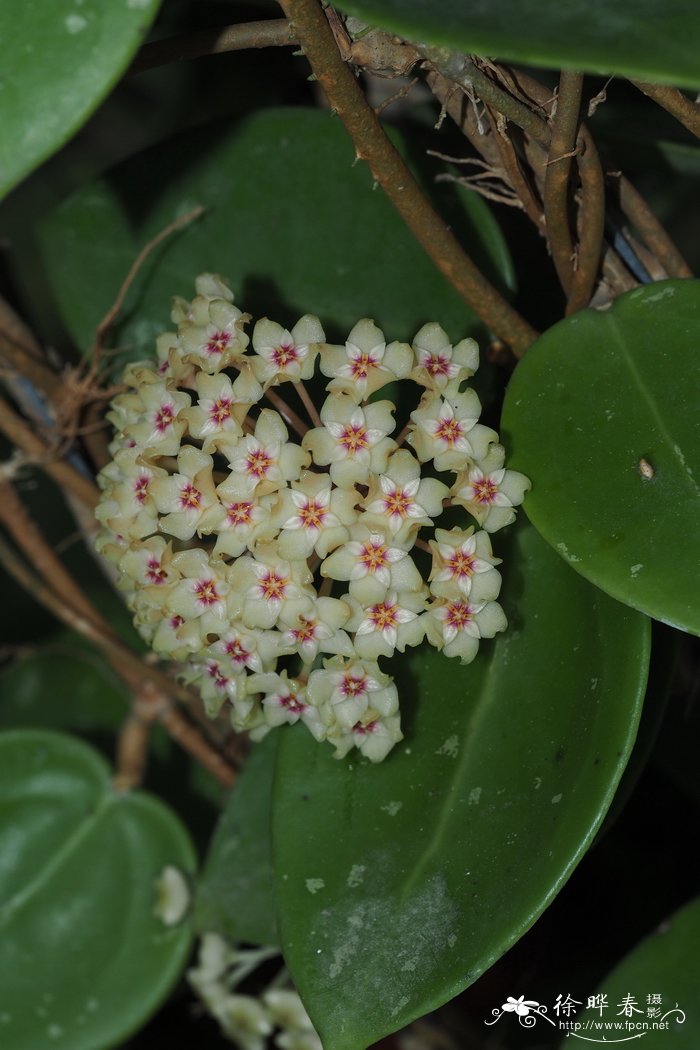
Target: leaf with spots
602, 414
398, 884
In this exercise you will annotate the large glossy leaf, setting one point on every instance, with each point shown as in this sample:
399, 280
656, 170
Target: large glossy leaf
84, 957
235, 895
660, 976
602, 414
59, 61
651, 39
291, 221
399, 884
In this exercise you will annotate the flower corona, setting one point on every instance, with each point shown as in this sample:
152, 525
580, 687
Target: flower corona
278, 560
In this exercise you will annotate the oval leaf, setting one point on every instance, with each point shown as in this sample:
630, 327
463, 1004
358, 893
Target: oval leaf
290, 220
602, 415
663, 968
651, 39
399, 884
59, 62
84, 957
235, 894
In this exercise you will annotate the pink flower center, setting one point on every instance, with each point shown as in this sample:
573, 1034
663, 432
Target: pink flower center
305, 633
398, 504
272, 586
449, 431
284, 354
361, 364
217, 343
240, 513
313, 515
351, 686
383, 616
373, 555
485, 491
458, 614
439, 365
155, 572
141, 488
220, 411
258, 462
164, 417
460, 564
190, 497
206, 592
354, 438
364, 730
290, 703
237, 651
176, 621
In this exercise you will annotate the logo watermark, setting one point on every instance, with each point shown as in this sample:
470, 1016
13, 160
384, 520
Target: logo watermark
631, 1018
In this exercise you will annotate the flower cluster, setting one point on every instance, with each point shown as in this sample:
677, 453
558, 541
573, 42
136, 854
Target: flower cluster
279, 568
249, 1020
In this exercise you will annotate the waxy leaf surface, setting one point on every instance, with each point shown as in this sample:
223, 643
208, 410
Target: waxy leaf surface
648, 39
84, 958
399, 884
602, 414
59, 61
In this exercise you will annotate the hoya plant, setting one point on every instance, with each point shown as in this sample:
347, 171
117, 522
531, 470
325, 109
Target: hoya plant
350, 462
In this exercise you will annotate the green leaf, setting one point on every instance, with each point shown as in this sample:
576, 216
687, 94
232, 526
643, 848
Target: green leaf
68, 685
399, 884
602, 415
291, 220
59, 62
665, 964
650, 39
235, 894
83, 956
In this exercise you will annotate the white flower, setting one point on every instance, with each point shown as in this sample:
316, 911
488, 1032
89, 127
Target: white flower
389, 624
455, 626
354, 441
490, 492
439, 365
365, 363
400, 501
446, 430
266, 459
286, 356
463, 564
313, 516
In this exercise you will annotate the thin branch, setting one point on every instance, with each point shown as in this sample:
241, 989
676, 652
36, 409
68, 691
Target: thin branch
388, 168
674, 102
463, 71
651, 231
557, 180
110, 317
308, 404
275, 32
514, 172
45, 457
591, 225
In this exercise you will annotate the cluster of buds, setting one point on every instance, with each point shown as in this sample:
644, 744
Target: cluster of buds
250, 1020
278, 570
